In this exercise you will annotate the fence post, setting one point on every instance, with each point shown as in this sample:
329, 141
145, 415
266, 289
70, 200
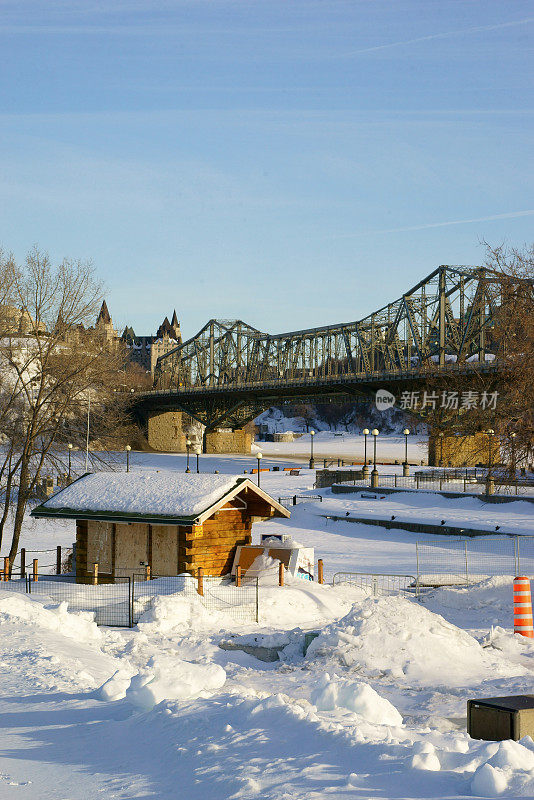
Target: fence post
95, 574
58, 560
200, 581
395, 480
417, 560
35, 570
6, 568
294, 499
131, 598
440, 484
320, 574
238, 576
280, 574
466, 564
517, 556
22, 562
147, 572
257, 599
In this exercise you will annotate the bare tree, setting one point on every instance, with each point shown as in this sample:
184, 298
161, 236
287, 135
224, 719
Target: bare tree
54, 368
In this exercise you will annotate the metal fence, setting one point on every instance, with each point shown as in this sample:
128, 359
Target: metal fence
121, 601
379, 584
219, 594
446, 483
298, 498
459, 561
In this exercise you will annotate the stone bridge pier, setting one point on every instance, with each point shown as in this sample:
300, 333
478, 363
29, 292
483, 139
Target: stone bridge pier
165, 433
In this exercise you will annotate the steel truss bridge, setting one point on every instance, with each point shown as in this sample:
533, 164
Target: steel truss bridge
229, 372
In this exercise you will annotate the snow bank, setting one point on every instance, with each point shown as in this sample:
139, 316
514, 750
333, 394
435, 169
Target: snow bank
358, 697
302, 603
179, 612
506, 767
398, 638
77, 625
168, 678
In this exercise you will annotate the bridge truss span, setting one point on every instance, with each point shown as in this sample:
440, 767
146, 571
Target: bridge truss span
230, 370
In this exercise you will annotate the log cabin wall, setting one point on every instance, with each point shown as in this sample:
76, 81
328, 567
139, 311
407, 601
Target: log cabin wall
212, 545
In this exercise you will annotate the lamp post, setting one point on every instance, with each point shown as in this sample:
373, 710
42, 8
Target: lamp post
70, 463
490, 481
365, 471
405, 466
187, 446
441, 435
197, 453
374, 473
259, 456
312, 462
127, 448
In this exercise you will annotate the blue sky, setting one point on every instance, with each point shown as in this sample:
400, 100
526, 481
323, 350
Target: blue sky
288, 163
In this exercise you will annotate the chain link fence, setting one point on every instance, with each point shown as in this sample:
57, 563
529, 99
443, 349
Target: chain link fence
459, 561
379, 584
219, 595
121, 601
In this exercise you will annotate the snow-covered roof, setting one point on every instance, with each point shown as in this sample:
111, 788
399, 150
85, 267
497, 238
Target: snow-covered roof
144, 495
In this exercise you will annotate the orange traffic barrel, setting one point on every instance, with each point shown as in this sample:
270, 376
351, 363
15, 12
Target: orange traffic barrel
523, 608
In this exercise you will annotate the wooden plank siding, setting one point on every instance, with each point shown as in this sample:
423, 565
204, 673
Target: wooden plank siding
213, 544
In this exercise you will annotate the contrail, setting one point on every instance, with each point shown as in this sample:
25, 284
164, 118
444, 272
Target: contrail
511, 215
446, 35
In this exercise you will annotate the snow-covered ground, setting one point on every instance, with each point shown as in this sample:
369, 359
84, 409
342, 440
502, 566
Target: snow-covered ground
375, 709
350, 446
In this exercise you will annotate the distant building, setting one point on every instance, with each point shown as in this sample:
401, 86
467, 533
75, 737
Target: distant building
145, 350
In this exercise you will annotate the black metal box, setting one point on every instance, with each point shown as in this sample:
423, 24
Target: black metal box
498, 718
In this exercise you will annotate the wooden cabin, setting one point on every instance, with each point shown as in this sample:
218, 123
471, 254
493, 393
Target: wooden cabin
171, 522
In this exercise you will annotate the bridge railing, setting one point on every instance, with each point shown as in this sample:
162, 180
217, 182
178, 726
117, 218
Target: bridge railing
322, 380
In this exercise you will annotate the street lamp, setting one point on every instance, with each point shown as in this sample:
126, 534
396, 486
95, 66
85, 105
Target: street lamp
365, 470
490, 482
405, 467
70, 451
187, 445
197, 453
374, 473
312, 462
259, 456
441, 435
127, 448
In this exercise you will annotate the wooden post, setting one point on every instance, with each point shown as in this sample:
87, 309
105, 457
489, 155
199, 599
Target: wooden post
58, 560
147, 572
280, 574
320, 576
35, 571
200, 581
95, 574
22, 562
238, 575
6, 568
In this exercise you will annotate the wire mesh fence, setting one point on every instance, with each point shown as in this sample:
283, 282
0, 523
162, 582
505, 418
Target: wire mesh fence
109, 600
218, 594
121, 601
379, 584
460, 561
